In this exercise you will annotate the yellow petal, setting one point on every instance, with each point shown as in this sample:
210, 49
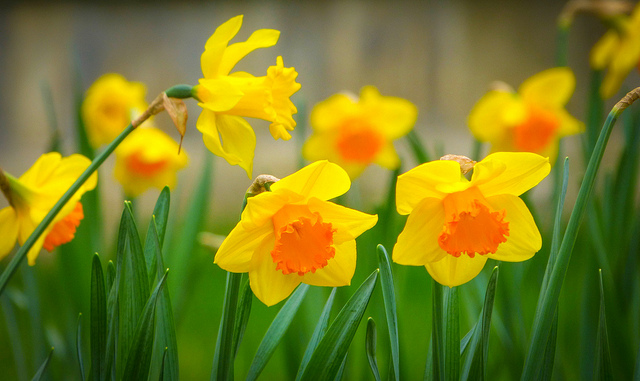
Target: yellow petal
492, 114
321, 179
237, 249
388, 157
218, 94
8, 230
393, 116
262, 38
268, 284
33, 253
509, 173
524, 238
417, 245
262, 207
552, 87
332, 112
237, 136
339, 269
451, 271
424, 181
319, 146
604, 49
349, 223
216, 45
568, 124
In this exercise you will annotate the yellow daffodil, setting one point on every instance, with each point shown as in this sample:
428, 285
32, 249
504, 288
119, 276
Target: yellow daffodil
33, 194
455, 224
226, 98
532, 120
109, 106
618, 52
292, 235
148, 158
357, 132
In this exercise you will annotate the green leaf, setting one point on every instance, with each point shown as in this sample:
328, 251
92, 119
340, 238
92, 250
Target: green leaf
43, 367
452, 336
224, 355
476, 344
242, 315
112, 330
139, 356
15, 340
79, 346
370, 347
154, 240
98, 319
164, 358
133, 285
419, 152
435, 367
602, 369
318, 333
550, 352
389, 297
50, 111
276, 331
111, 275
326, 361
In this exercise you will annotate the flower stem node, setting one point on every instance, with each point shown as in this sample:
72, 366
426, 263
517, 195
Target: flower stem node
261, 184
466, 164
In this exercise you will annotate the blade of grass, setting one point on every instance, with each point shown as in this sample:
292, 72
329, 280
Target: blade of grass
370, 346
452, 335
419, 151
155, 234
79, 347
318, 333
389, 298
544, 320
164, 358
435, 370
276, 331
327, 359
40, 373
50, 111
223, 357
242, 316
98, 319
15, 342
602, 369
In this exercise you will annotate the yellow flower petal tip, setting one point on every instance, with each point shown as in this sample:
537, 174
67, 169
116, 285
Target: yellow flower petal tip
455, 224
110, 104
532, 120
355, 133
148, 158
31, 197
293, 235
227, 98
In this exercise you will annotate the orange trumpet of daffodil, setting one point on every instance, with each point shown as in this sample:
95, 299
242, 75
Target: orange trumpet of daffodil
293, 235
456, 224
33, 194
531, 120
227, 97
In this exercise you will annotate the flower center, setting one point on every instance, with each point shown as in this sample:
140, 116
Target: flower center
139, 165
537, 131
359, 142
471, 226
303, 240
64, 230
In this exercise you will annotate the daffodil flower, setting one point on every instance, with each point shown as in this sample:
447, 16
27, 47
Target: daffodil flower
617, 52
33, 194
148, 158
227, 97
111, 102
293, 235
456, 224
531, 120
354, 133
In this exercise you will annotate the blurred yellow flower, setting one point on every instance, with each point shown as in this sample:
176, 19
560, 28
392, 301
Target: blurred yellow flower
455, 224
532, 120
354, 133
31, 197
109, 106
618, 52
226, 98
292, 235
147, 158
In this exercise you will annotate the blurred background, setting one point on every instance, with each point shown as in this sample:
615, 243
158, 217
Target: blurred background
442, 56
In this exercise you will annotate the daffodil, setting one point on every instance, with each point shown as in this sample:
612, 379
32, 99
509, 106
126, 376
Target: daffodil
293, 235
456, 224
110, 104
227, 97
354, 133
33, 194
148, 158
617, 52
531, 120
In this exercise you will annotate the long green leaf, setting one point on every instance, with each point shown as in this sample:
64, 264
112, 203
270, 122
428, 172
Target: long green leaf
318, 333
452, 336
276, 331
98, 319
112, 330
15, 341
602, 369
543, 322
435, 367
370, 347
79, 346
389, 298
242, 316
43, 367
154, 240
419, 151
327, 359
139, 356
223, 357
